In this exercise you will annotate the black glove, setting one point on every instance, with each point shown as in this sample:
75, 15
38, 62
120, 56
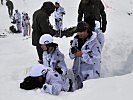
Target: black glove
44, 87
58, 69
73, 50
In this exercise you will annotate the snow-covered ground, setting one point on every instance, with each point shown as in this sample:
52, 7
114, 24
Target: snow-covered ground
17, 55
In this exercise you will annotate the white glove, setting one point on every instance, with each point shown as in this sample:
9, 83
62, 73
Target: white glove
46, 88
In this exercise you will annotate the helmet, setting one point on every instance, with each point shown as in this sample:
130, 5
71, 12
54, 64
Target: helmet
36, 70
46, 39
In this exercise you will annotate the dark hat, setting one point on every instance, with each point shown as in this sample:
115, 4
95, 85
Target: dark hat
57, 2
49, 7
82, 26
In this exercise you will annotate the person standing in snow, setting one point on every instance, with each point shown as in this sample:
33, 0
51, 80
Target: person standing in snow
52, 57
25, 24
1, 2
17, 17
95, 27
86, 52
41, 25
10, 7
92, 8
58, 14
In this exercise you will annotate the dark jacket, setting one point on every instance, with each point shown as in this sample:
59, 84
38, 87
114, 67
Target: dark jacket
92, 8
9, 4
41, 23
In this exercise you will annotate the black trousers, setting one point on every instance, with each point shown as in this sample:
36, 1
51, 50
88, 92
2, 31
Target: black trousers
39, 52
10, 11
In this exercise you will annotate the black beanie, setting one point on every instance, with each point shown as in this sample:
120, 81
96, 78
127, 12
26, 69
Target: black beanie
82, 26
49, 7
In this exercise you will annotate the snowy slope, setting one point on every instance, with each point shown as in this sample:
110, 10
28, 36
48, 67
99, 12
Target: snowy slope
17, 55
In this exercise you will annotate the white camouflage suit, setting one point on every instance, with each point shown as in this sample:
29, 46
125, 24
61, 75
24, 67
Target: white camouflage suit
58, 14
18, 21
87, 66
55, 83
100, 35
54, 59
25, 24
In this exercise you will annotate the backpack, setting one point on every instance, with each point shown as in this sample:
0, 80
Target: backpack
13, 29
30, 83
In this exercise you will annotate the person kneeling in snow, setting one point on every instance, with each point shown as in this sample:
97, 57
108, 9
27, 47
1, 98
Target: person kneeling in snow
48, 80
52, 57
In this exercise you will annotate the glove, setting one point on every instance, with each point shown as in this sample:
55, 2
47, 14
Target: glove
44, 87
47, 88
58, 69
73, 50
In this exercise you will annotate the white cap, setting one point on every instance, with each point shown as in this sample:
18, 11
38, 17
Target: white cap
46, 39
36, 70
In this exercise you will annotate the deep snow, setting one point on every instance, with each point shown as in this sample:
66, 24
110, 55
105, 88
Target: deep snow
17, 55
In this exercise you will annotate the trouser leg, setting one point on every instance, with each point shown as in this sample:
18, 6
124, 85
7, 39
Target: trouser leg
9, 11
2, 2
39, 52
19, 27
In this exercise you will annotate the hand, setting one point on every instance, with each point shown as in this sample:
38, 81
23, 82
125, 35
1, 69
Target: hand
44, 87
60, 19
74, 50
78, 53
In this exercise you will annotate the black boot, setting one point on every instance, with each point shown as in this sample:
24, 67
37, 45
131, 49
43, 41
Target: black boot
78, 82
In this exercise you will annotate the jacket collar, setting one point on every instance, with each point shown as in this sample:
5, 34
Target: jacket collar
94, 35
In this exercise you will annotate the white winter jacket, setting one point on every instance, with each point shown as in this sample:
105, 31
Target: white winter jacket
87, 66
17, 17
100, 35
58, 14
55, 83
54, 59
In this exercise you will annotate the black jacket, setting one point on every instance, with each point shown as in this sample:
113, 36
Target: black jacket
9, 4
92, 8
41, 24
